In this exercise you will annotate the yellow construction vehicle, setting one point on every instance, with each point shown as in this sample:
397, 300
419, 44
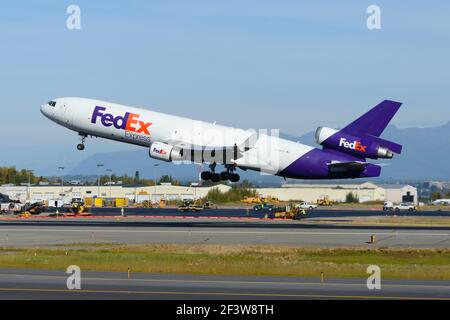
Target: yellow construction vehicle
190, 205
251, 200
146, 204
325, 201
291, 212
184, 206
209, 205
77, 208
197, 205
270, 199
261, 200
32, 209
162, 203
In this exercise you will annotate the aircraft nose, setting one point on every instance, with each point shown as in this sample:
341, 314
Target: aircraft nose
44, 109
48, 109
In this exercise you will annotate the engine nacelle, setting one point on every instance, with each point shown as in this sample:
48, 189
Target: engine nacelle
365, 147
165, 152
323, 133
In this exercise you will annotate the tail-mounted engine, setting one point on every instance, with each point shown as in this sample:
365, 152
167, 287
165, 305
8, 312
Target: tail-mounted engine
363, 147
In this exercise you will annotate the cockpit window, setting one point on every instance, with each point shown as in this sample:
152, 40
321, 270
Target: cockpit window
52, 103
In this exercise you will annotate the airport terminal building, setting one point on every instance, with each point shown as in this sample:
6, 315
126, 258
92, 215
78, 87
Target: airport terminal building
296, 192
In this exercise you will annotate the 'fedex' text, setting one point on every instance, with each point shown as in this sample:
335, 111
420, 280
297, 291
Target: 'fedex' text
128, 122
355, 145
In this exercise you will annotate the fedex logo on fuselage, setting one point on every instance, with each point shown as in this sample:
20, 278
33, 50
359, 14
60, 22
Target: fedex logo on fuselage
128, 122
355, 145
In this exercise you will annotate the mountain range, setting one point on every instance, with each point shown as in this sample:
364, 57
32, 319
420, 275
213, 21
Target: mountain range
425, 156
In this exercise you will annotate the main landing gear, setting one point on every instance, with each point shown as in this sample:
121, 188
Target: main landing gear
225, 175
80, 146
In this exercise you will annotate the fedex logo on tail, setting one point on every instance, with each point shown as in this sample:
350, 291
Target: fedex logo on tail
128, 122
355, 145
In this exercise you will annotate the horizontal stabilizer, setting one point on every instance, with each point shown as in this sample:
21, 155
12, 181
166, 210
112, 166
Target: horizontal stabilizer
350, 166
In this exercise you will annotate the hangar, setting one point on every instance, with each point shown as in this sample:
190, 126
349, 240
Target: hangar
366, 191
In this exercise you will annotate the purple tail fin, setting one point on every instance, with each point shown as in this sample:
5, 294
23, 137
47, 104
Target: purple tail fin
373, 122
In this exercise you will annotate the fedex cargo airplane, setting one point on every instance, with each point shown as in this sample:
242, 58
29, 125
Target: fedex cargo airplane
176, 139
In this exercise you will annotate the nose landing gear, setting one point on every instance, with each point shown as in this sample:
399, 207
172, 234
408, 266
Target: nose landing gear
81, 146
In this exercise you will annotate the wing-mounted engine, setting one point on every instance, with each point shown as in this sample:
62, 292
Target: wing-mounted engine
165, 152
197, 154
365, 146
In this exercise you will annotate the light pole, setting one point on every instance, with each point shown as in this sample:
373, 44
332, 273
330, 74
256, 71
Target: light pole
62, 179
110, 181
195, 185
200, 169
99, 174
154, 176
29, 184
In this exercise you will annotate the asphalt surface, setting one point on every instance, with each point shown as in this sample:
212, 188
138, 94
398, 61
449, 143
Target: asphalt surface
51, 231
322, 212
46, 284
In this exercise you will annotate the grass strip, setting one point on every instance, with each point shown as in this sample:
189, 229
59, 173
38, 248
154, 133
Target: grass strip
234, 260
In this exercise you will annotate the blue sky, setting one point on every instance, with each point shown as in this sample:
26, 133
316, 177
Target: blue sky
291, 65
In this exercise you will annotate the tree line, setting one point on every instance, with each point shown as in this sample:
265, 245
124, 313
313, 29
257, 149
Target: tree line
10, 175
137, 180
235, 194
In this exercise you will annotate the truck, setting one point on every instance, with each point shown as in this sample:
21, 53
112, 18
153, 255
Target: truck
388, 206
306, 205
441, 202
264, 207
404, 207
10, 207
189, 205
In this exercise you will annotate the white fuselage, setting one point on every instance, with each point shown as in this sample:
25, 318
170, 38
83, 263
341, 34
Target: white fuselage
266, 153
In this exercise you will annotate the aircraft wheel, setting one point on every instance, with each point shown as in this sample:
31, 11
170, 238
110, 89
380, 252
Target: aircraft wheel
215, 177
206, 175
234, 177
224, 176
80, 147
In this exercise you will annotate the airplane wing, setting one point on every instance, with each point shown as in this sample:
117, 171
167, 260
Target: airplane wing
350, 166
228, 151
242, 145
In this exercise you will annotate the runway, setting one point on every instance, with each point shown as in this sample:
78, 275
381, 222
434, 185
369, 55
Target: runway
49, 232
322, 212
51, 284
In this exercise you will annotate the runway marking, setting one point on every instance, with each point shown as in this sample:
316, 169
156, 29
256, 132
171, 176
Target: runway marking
285, 295
229, 281
61, 229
